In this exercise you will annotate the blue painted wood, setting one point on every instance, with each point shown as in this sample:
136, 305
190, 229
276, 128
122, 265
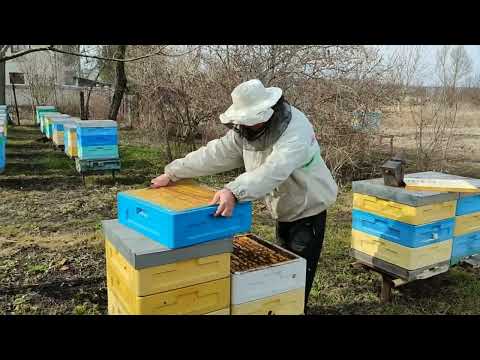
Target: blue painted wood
401, 233
468, 205
97, 152
93, 140
465, 245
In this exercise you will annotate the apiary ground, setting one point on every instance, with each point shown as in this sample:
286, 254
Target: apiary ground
51, 245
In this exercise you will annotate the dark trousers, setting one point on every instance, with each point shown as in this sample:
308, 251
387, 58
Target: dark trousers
304, 237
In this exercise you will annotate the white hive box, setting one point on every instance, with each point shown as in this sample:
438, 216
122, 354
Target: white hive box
264, 281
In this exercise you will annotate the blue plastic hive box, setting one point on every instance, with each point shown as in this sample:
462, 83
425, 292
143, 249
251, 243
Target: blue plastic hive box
465, 245
66, 128
180, 228
49, 128
468, 204
97, 139
97, 152
43, 109
401, 233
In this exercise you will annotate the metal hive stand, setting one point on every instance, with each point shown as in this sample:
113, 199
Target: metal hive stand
86, 167
472, 261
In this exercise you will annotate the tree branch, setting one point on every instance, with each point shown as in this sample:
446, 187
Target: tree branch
4, 49
52, 48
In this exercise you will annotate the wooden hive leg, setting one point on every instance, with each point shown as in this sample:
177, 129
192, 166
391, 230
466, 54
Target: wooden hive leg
386, 291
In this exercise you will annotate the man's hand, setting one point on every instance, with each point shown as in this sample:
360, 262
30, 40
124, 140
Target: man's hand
226, 201
162, 180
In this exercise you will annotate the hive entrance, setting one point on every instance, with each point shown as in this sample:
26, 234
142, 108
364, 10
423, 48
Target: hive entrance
249, 254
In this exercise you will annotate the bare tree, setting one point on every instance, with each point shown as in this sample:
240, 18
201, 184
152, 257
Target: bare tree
120, 83
39, 78
182, 96
435, 109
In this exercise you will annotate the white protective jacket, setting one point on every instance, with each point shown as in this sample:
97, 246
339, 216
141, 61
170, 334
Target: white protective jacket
290, 174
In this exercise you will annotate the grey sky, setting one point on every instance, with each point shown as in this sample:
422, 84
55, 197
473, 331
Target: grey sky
430, 54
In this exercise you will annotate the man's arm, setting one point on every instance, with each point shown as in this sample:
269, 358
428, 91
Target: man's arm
217, 156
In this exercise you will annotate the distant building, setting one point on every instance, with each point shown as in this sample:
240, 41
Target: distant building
52, 73
85, 82
61, 68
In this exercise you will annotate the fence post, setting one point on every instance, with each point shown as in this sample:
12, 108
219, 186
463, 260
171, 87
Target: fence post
82, 106
15, 99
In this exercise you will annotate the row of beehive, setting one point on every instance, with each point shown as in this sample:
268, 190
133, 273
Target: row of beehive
3, 136
411, 232
167, 254
93, 143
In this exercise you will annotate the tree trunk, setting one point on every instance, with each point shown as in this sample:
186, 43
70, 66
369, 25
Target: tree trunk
82, 106
120, 83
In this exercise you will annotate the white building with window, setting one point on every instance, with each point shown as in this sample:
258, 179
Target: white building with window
62, 68
40, 75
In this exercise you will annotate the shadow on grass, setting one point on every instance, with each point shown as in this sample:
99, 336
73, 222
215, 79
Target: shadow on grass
44, 167
42, 183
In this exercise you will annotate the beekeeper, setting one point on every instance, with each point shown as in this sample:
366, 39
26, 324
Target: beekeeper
276, 144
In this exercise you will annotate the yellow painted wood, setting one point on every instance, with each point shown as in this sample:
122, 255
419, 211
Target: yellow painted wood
191, 300
115, 307
58, 137
72, 151
72, 142
441, 189
405, 213
403, 256
466, 224
169, 276
287, 303
182, 195
225, 311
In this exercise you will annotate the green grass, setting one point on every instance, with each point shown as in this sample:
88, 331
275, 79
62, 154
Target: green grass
86, 309
38, 268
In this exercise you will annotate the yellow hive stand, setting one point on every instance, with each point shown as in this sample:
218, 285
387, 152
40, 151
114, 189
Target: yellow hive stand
405, 257
404, 213
287, 303
466, 224
167, 277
